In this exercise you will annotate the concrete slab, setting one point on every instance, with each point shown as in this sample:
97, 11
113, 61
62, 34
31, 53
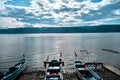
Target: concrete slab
113, 69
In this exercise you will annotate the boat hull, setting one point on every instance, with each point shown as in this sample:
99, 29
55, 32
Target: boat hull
16, 73
85, 73
53, 69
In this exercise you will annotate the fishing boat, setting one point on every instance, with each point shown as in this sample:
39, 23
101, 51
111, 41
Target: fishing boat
14, 71
53, 70
85, 73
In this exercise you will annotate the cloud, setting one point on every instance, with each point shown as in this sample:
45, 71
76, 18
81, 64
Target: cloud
3, 7
11, 22
117, 12
44, 25
58, 12
103, 12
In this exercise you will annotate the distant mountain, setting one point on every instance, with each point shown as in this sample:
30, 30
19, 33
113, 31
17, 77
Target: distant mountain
77, 29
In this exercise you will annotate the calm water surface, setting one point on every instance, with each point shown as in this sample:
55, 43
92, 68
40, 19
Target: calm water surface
37, 47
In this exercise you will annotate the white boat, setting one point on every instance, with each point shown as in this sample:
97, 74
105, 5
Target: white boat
53, 70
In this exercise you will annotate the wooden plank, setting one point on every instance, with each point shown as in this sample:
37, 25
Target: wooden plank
113, 69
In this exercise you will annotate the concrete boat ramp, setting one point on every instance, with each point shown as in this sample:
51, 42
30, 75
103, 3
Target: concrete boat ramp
112, 69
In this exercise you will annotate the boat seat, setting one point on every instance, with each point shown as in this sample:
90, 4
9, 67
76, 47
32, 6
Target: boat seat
12, 69
1, 74
22, 62
80, 66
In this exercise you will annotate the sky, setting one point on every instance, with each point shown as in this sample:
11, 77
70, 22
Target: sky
58, 13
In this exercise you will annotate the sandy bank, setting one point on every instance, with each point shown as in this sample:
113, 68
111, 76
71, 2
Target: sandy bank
68, 75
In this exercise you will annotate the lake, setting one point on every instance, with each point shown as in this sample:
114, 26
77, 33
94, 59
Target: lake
37, 47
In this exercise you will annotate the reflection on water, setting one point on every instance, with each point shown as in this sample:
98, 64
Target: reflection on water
37, 47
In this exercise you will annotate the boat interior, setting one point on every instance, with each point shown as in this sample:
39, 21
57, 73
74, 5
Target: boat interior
53, 77
86, 73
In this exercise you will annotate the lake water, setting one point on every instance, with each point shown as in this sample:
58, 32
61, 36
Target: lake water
37, 47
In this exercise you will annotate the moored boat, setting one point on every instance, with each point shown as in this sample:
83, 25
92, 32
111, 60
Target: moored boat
53, 70
85, 73
14, 71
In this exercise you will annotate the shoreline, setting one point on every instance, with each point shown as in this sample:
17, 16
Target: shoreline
68, 75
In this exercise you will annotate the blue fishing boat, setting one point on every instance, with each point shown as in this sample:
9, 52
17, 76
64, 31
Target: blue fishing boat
85, 73
14, 71
53, 70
